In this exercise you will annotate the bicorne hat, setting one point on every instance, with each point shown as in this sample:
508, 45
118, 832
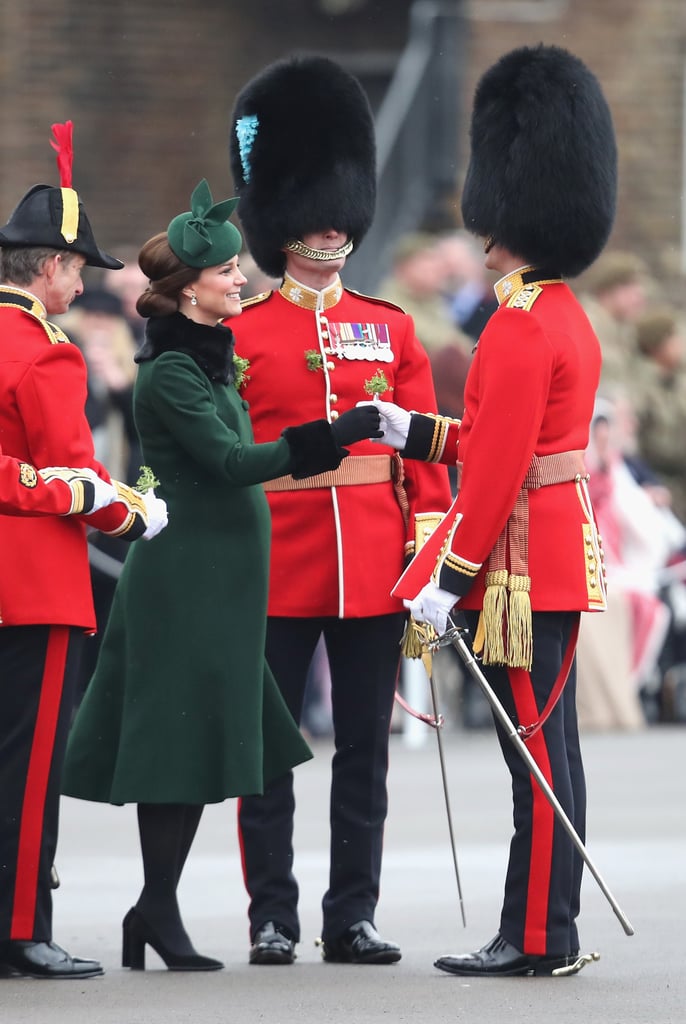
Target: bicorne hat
55, 217
542, 175
303, 156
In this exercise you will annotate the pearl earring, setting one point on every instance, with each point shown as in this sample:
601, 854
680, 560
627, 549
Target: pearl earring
194, 301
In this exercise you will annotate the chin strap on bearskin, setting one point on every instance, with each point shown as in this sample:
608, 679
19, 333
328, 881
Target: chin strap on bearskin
321, 255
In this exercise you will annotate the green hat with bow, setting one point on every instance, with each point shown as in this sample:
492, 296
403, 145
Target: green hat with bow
203, 236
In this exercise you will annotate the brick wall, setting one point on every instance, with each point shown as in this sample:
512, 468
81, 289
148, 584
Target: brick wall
638, 51
149, 86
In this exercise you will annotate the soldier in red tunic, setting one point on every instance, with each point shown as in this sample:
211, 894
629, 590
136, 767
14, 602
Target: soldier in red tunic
518, 552
45, 592
302, 152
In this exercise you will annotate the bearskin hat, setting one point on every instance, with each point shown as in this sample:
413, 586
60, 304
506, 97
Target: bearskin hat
303, 156
542, 176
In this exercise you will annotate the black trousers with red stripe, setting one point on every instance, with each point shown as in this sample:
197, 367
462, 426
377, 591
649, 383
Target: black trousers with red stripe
543, 882
38, 668
363, 658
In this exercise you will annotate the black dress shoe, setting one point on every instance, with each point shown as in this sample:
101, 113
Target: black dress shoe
44, 960
360, 944
271, 945
499, 958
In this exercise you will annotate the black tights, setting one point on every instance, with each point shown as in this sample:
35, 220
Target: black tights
166, 836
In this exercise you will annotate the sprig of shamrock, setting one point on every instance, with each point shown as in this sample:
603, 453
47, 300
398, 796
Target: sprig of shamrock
240, 369
147, 481
377, 384
313, 359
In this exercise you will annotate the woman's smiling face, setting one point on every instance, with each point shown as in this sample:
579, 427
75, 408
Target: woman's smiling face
218, 292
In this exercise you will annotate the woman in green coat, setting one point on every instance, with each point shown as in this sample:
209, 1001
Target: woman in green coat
182, 709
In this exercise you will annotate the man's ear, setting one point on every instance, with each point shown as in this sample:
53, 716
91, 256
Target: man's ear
50, 265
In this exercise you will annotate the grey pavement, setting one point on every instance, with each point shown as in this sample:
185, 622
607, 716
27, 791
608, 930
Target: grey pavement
636, 837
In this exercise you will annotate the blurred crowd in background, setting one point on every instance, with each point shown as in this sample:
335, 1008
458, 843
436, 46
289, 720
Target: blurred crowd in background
632, 658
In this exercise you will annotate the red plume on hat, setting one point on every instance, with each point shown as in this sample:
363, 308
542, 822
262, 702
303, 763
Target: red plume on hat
54, 218
63, 144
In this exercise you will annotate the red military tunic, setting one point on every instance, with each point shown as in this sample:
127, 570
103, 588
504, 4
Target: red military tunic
529, 393
336, 550
45, 576
529, 396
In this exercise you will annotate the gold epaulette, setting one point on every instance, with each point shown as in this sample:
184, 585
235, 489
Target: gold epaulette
375, 299
55, 333
255, 300
525, 297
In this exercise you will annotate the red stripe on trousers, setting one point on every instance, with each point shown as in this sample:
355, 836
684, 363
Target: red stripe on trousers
241, 843
542, 821
31, 827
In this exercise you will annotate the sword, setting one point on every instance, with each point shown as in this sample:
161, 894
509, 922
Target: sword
455, 636
436, 722
439, 739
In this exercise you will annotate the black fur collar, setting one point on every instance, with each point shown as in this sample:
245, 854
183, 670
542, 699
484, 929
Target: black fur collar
210, 347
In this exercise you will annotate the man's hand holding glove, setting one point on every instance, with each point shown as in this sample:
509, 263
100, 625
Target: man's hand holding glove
394, 423
432, 605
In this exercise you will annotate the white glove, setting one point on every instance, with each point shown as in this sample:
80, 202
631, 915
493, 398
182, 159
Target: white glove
432, 605
89, 492
104, 492
156, 509
395, 423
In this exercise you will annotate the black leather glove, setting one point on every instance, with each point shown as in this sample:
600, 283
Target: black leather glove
357, 424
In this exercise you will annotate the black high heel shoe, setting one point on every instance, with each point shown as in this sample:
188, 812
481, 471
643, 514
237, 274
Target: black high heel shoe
136, 933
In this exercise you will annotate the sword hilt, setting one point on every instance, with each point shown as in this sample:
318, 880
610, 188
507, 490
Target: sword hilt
448, 638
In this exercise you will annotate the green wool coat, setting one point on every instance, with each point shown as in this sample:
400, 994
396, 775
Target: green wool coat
182, 706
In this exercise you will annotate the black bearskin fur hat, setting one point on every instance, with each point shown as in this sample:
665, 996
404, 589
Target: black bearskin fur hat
542, 176
303, 156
